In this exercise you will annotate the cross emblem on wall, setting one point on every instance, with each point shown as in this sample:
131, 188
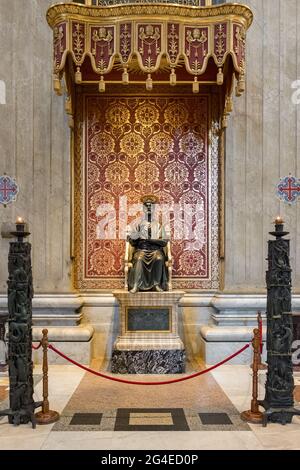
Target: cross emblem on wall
288, 189
8, 190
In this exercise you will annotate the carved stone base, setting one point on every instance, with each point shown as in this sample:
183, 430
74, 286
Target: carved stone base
158, 361
24, 416
279, 415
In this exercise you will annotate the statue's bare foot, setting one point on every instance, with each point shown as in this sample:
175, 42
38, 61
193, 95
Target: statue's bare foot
158, 289
133, 290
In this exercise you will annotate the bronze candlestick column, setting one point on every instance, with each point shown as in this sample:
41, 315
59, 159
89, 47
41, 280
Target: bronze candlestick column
279, 398
20, 294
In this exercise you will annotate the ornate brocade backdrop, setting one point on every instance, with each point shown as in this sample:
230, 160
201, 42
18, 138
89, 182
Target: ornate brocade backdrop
165, 145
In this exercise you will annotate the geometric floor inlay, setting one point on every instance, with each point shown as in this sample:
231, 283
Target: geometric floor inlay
150, 419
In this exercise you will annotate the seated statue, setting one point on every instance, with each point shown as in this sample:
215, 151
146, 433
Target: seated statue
147, 259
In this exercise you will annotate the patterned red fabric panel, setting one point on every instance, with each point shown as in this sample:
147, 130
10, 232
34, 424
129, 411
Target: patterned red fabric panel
59, 43
102, 45
149, 43
147, 145
239, 44
78, 40
196, 46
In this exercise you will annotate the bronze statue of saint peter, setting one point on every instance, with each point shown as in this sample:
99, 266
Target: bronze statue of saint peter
149, 239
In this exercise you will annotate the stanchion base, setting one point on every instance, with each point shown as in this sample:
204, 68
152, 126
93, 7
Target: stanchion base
46, 418
252, 416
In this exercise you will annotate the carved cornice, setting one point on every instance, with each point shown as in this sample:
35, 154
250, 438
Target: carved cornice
218, 12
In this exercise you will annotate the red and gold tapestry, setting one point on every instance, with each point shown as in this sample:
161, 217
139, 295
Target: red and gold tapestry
150, 145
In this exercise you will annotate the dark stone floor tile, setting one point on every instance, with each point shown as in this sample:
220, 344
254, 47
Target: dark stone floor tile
215, 418
86, 419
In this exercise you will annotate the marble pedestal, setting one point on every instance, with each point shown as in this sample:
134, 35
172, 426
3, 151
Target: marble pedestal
148, 342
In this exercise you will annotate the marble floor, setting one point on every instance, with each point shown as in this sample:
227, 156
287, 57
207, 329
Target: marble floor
234, 381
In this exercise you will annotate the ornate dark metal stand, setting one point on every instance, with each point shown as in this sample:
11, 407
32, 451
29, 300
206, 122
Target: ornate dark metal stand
279, 397
20, 293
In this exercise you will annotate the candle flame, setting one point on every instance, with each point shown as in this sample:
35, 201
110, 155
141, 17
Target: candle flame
279, 220
20, 220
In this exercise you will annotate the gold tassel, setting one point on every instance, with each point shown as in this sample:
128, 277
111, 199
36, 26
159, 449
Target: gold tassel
172, 78
149, 83
57, 85
241, 85
220, 77
68, 105
229, 105
71, 122
125, 77
78, 76
102, 84
195, 85
237, 91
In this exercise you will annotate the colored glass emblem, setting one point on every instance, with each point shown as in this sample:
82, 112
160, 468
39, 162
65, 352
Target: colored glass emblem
288, 189
8, 190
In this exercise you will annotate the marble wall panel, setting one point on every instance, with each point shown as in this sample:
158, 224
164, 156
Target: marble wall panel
262, 145
34, 140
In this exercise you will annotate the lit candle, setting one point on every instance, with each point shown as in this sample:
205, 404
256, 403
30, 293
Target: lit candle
21, 231
20, 224
278, 224
278, 220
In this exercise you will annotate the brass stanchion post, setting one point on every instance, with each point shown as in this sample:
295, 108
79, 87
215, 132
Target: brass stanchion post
254, 415
46, 416
261, 365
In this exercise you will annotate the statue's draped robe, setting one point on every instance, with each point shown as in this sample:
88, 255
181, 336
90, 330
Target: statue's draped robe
149, 261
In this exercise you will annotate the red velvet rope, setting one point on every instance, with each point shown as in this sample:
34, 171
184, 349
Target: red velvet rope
133, 382
37, 347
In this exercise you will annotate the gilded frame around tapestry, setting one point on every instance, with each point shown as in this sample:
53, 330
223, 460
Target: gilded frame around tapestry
84, 284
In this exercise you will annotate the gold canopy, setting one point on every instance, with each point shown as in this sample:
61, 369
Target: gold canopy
154, 42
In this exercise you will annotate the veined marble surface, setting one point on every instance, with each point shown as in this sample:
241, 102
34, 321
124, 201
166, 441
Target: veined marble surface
148, 362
